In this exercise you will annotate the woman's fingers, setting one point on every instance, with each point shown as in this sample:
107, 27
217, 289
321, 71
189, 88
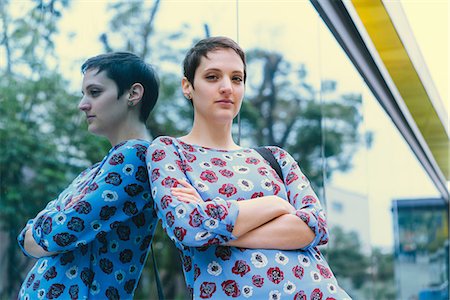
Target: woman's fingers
185, 197
185, 183
185, 194
186, 189
188, 199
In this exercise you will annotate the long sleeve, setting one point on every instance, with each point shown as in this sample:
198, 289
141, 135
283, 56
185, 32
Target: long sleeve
49, 207
187, 224
302, 197
103, 200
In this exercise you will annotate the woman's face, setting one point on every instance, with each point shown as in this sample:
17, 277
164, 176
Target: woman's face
219, 86
105, 113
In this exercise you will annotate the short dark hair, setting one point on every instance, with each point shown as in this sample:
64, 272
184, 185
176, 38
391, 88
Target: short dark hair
202, 48
125, 69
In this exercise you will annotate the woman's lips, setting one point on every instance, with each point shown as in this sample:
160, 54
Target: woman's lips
224, 101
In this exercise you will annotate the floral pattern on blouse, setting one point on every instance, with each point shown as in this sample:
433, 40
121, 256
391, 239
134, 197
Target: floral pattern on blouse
100, 227
201, 230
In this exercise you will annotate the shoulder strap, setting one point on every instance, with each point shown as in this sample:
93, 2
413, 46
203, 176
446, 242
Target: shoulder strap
158, 280
268, 155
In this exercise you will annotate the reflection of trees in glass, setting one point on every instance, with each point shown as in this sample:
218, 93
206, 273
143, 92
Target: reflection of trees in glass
346, 258
422, 230
44, 147
283, 108
380, 285
132, 29
371, 277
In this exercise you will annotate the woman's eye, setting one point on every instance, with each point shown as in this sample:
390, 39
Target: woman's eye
212, 77
95, 93
238, 79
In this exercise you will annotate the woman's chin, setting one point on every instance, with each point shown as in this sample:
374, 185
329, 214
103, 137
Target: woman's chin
224, 117
94, 130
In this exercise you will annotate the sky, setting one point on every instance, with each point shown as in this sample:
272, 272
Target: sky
386, 171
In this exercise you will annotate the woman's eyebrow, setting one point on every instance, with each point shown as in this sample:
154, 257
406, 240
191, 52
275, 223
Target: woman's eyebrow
212, 69
220, 70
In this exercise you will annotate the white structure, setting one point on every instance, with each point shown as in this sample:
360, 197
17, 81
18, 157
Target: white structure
350, 211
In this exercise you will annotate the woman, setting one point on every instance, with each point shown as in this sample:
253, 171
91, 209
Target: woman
92, 241
241, 230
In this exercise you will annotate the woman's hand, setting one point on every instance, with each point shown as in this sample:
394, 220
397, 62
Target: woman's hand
287, 232
187, 193
33, 248
74, 200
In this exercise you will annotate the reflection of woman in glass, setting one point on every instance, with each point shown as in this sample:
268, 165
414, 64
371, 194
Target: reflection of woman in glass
241, 230
92, 241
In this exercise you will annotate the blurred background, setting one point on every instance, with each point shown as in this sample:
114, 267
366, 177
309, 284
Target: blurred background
356, 91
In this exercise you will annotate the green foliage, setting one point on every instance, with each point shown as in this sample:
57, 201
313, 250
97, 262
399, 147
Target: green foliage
38, 156
371, 275
381, 284
346, 258
29, 40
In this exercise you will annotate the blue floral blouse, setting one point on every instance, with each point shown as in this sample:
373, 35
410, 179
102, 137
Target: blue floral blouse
201, 230
101, 228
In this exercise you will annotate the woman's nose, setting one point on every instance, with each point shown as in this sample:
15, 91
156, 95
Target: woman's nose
84, 105
226, 86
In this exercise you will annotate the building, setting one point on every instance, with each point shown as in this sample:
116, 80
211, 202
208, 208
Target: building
349, 211
421, 248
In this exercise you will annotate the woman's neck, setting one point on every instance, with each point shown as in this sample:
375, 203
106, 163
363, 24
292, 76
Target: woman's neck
132, 131
211, 135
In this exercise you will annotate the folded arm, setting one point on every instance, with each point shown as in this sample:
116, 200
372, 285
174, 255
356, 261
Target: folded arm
286, 232
272, 229
119, 191
268, 208
308, 210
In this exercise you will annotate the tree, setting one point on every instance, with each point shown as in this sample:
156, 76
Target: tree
282, 108
371, 275
131, 29
381, 284
346, 258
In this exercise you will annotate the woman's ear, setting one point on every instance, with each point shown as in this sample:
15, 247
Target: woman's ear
187, 88
135, 94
